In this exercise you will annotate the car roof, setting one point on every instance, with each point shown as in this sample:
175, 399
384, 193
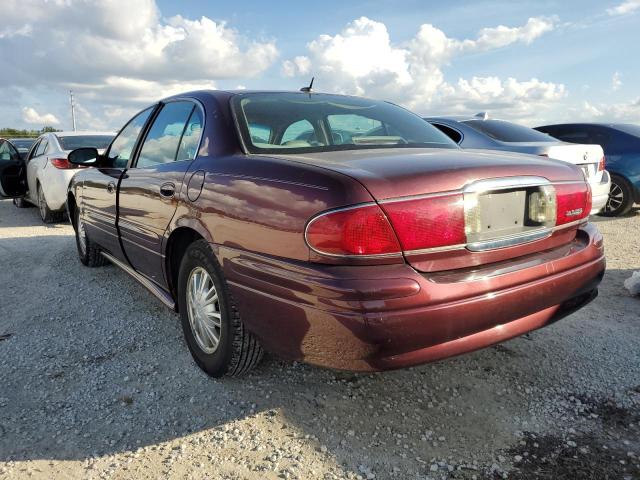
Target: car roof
588, 124
81, 133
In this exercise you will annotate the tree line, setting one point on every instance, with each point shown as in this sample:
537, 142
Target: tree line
16, 132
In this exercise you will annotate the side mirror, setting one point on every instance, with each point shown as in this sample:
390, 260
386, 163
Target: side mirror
86, 156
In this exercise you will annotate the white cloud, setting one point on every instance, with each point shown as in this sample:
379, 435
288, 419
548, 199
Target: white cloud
362, 59
615, 112
616, 81
121, 52
624, 8
29, 115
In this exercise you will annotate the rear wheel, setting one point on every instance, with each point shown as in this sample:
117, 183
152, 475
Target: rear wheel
217, 339
46, 214
620, 198
88, 252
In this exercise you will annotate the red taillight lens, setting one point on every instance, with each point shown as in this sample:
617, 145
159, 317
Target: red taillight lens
573, 202
602, 163
428, 222
356, 231
61, 163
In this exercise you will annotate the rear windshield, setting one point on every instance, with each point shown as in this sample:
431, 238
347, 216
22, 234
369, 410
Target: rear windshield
298, 123
507, 131
79, 141
629, 128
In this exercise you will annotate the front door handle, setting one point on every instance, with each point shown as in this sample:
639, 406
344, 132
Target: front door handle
167, 189
111, 187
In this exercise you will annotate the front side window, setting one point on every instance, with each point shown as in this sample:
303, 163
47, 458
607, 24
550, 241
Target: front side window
163, 139
507, 131
299, 122
122, 147
7, 151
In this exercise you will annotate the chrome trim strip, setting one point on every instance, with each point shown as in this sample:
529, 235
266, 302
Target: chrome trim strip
459, 246
335, 255
503, 183
158, 292
509, 241
409, 198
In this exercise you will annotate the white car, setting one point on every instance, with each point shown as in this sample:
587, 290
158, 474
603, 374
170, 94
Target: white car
482, 132
49, 172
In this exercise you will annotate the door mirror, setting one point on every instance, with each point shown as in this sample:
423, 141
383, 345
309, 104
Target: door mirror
86, 156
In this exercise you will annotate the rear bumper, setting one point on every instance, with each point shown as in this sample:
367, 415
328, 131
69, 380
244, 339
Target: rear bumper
600, 193
385, 317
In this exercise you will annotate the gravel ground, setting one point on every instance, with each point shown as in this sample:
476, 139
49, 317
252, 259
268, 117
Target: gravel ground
96, 382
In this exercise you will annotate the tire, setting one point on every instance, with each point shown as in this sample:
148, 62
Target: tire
46, 214
620, 198
21, 203
88, 251
237, 350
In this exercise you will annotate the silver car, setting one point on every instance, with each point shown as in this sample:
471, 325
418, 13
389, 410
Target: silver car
49, 172
482, 132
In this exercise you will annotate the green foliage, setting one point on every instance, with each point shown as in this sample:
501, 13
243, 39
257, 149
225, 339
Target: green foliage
15, 132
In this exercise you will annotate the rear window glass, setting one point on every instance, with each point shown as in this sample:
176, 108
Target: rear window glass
299, 123
81, 141
630, 129
507, 131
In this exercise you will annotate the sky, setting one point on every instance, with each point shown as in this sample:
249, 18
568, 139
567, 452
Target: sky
531, 62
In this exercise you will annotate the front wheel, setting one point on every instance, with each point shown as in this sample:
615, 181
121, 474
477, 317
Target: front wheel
620, 198
217, 339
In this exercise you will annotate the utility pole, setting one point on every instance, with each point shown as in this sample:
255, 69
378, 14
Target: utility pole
73, 110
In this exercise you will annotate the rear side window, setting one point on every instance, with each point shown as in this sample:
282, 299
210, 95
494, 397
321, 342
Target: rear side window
79, 141
507, 131
191, 139
163, 139
449, 132
42, 146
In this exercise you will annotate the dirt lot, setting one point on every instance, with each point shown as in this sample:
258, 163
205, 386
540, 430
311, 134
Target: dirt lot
96, 382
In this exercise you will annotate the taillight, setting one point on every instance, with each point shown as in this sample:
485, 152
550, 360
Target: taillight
355, 231
61, 163
573, 202
429, 222
602, 163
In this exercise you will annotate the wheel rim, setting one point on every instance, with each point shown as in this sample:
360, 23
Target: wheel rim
203, 310
82, 237
616, 198
42, 203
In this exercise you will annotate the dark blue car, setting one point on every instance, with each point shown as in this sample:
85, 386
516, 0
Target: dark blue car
621, 145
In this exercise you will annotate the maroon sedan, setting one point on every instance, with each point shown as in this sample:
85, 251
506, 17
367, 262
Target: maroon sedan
339, 231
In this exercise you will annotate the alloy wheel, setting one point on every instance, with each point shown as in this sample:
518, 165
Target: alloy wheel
203, 310
616, 198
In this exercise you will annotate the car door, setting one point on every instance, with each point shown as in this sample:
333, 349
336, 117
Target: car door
149, 190
12, 172
99, 186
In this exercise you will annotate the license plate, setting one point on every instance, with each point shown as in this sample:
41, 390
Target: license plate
501, 213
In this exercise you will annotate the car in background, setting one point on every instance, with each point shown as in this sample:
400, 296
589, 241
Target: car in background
23, 145
621, 145
481, 132
48, 172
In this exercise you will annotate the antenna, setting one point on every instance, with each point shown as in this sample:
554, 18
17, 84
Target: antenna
308, 89
73, 110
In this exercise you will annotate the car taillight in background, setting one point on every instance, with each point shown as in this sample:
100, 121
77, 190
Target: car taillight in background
602, 163
62, 163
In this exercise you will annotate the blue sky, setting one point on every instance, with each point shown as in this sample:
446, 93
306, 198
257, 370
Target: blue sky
530, 62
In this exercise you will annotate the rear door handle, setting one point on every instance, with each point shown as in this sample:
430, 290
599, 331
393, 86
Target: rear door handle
111, 187
167, 189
